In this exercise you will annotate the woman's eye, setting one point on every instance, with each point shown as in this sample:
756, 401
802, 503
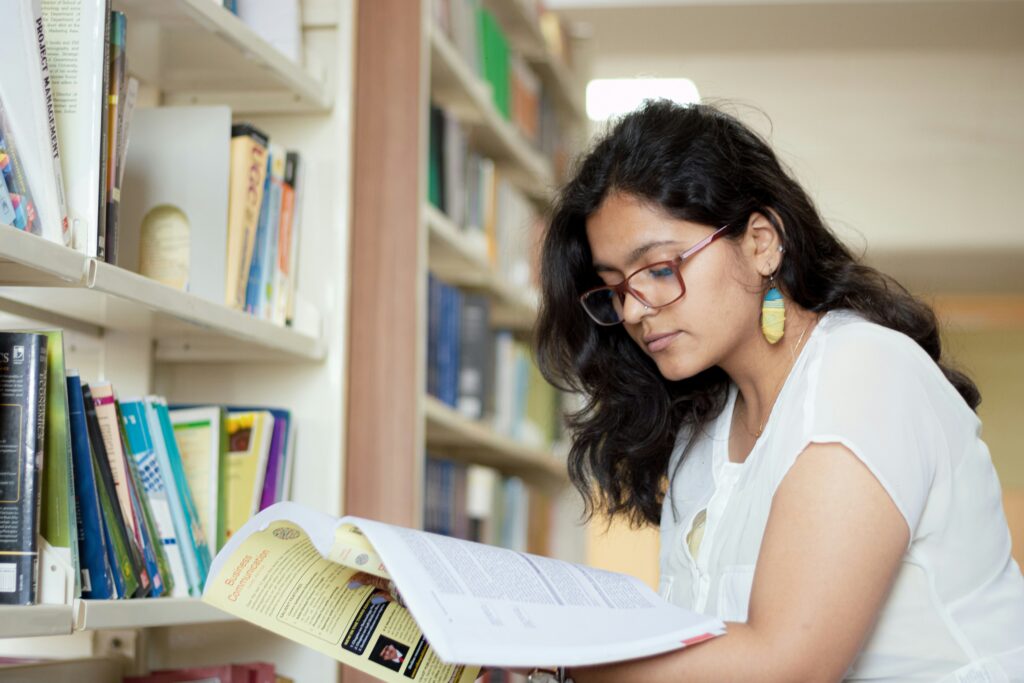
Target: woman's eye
660, 272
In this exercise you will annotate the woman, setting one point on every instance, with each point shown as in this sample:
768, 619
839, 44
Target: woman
820, 482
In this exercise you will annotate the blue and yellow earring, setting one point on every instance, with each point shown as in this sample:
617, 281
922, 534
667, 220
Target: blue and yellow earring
773, 313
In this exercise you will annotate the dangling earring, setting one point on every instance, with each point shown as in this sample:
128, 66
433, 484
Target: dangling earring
773, 314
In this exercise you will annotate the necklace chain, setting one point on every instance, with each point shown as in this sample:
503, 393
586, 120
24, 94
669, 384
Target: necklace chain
778, 387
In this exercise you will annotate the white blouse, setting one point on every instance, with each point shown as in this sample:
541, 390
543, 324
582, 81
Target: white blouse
956, 611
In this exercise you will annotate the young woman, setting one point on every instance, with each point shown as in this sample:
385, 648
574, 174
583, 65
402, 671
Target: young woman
819, 481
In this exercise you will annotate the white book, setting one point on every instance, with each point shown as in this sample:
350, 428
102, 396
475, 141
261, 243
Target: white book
75, 40
27, 84
313, 578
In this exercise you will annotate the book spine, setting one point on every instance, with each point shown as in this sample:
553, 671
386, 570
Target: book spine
51, 125
284, 270
274, 462
141, 446
144, 537
101, 218
97, 574
245, 198
22, 434
252, 285
116, 86
125, 555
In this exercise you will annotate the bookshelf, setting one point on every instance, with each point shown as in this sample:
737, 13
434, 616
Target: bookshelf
392, 424
147, 338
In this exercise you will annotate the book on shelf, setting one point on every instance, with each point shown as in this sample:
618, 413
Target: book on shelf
29, 147
76, 38
279, 22
416, 604
249, 147
252, 672
58, 524
22, 430
97, 571
202, 436
116, 87
250, 433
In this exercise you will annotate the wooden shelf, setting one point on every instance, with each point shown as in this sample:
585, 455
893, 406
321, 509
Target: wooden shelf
457, 437
35, 620
524, 34
36, 275
197, 52
454, 86
459, 260
92, 615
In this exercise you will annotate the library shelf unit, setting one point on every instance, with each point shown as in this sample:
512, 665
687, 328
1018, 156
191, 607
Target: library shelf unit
146, 338
404, 63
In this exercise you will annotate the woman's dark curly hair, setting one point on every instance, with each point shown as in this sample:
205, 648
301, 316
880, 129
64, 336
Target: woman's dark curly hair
702, 165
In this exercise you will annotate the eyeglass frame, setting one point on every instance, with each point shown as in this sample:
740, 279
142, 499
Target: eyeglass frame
623, 288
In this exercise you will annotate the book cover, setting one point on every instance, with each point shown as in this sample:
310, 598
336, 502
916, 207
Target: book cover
26, 91
24, 215
178, 159
403, 602
110, 431
141, 446
101, 220
202, 437
125, 556
75, 41
275, 459
249, 435
268, 255
59, 522
287, 242
245, 197
97, 575
22, 434
153, 552
185, 527
255, 277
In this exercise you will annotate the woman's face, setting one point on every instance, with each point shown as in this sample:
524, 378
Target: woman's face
719, 312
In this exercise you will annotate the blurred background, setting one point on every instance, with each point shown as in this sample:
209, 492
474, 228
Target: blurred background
902, 119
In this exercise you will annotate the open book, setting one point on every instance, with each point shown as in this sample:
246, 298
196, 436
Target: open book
310, 577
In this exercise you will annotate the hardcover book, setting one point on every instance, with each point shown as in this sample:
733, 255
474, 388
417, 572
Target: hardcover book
22, 425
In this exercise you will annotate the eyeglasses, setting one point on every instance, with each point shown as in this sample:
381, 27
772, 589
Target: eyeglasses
656, 285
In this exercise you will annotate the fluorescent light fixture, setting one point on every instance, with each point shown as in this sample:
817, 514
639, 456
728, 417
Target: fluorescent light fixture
608, 97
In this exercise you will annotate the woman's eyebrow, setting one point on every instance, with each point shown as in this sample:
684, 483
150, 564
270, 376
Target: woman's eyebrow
635, 255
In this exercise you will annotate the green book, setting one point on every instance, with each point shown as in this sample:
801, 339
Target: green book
59, 522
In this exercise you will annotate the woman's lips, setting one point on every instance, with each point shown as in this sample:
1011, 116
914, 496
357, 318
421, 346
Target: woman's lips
660, 342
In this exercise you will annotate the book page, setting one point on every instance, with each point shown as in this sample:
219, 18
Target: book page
496, 607
277, 578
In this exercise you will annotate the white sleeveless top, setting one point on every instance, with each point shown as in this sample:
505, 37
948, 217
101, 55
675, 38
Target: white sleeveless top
956, 611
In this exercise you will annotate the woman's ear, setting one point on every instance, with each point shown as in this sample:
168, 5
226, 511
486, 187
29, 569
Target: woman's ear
763, 243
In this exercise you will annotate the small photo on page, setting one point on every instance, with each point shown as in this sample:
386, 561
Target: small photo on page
389, 653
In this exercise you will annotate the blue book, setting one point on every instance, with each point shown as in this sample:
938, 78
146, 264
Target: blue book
252, 286
185, 527
140, 446
177, 470
98, 579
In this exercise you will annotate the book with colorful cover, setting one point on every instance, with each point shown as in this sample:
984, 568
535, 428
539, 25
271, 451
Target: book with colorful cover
124, 555
153, 551
115, 88
187, 526
59, 523
110, 428
202, 437
22, 438
261, 240
249, 436
402, 604
249, 148
140, 445
97, 573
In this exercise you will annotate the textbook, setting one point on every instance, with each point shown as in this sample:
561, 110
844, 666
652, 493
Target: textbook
320, 581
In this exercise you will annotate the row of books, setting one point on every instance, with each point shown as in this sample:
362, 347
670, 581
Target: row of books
483, 373
193, 201
228, 229
477, 503
130, 498
517, 92
249, 672
480, 199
